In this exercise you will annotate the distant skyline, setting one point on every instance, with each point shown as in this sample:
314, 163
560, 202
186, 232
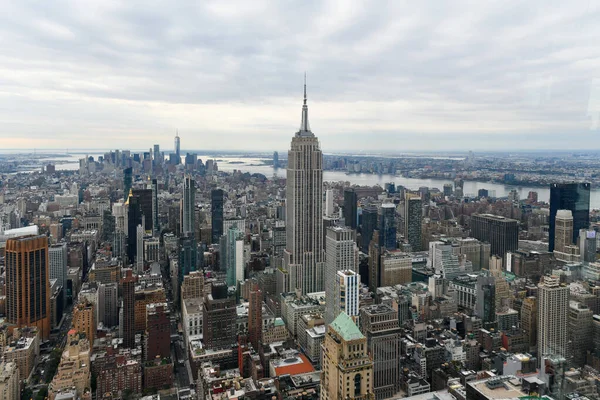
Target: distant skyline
382, 77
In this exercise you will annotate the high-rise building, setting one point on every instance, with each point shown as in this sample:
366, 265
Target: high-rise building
9, 381
350, 208
145, 202
304, 255
447, 189
501, 233
580, 333
275, 160
553, 312
341, 255
216, 212
59, 254
178, 147
395, 268
219, 312
134, 218
368, 226
347, 369
156, 154
234, 256
343, 295
329, 202
587, 245
84, 319
155, 223
379, 323
412, 220
128, 285
529, 319
108, 307
188, 207
387, 226
569, 196
28, 283
255, 324
563, 230
188, 257
158, 332
127, 181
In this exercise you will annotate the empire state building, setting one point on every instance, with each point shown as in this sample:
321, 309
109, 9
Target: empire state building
304, 258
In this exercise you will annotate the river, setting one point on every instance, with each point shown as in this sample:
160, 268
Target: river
255, 165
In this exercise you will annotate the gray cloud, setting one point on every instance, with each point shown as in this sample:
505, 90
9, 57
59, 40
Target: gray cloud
407, 76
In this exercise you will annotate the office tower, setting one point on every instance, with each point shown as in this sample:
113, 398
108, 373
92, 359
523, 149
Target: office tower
341, 254
84, 319
379, 323
447, 189
485, 302
127, 181
158, 332
178, 147
156, 154
387, 226
587, 245
482, 193
216, 212
155, 223
139, 257
58, 255
218, 329
128, 287
188, 257
28, 283
580, 333
304, 255
255, 327
188, 207
569, 196
329, 202
553, 312
347, 367
275, 160
529, 319
350, 208
234, 256
134, 218
108, 304
412, 220
563, 230
145, 202
369, 224
375, 262
344, 295
501, 233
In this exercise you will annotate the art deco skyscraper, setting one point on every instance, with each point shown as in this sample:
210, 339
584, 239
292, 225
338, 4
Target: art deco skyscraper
304, 255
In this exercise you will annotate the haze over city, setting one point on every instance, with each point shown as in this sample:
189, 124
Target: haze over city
414, 77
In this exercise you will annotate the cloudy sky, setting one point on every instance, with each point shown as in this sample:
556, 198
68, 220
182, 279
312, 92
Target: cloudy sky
394, 76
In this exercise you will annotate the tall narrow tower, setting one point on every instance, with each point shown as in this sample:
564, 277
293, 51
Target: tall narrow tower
188, 206
553, 313
304, 255
177, 147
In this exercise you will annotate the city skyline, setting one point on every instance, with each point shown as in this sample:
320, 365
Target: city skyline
438, 78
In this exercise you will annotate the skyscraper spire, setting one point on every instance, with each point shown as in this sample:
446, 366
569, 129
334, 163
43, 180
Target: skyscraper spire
304, 126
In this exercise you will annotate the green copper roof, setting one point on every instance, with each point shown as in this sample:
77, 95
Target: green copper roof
278, 322
346, 328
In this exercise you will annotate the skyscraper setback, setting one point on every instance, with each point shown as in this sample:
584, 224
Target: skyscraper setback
304, 255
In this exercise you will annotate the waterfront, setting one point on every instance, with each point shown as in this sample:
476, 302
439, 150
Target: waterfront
256, 165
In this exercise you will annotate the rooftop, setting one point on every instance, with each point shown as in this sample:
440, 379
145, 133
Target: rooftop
346, 328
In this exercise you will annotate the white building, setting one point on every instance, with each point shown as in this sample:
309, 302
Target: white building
553, 314
341, 255
58, 255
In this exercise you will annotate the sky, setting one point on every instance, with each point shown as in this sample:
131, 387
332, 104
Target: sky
382, 76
